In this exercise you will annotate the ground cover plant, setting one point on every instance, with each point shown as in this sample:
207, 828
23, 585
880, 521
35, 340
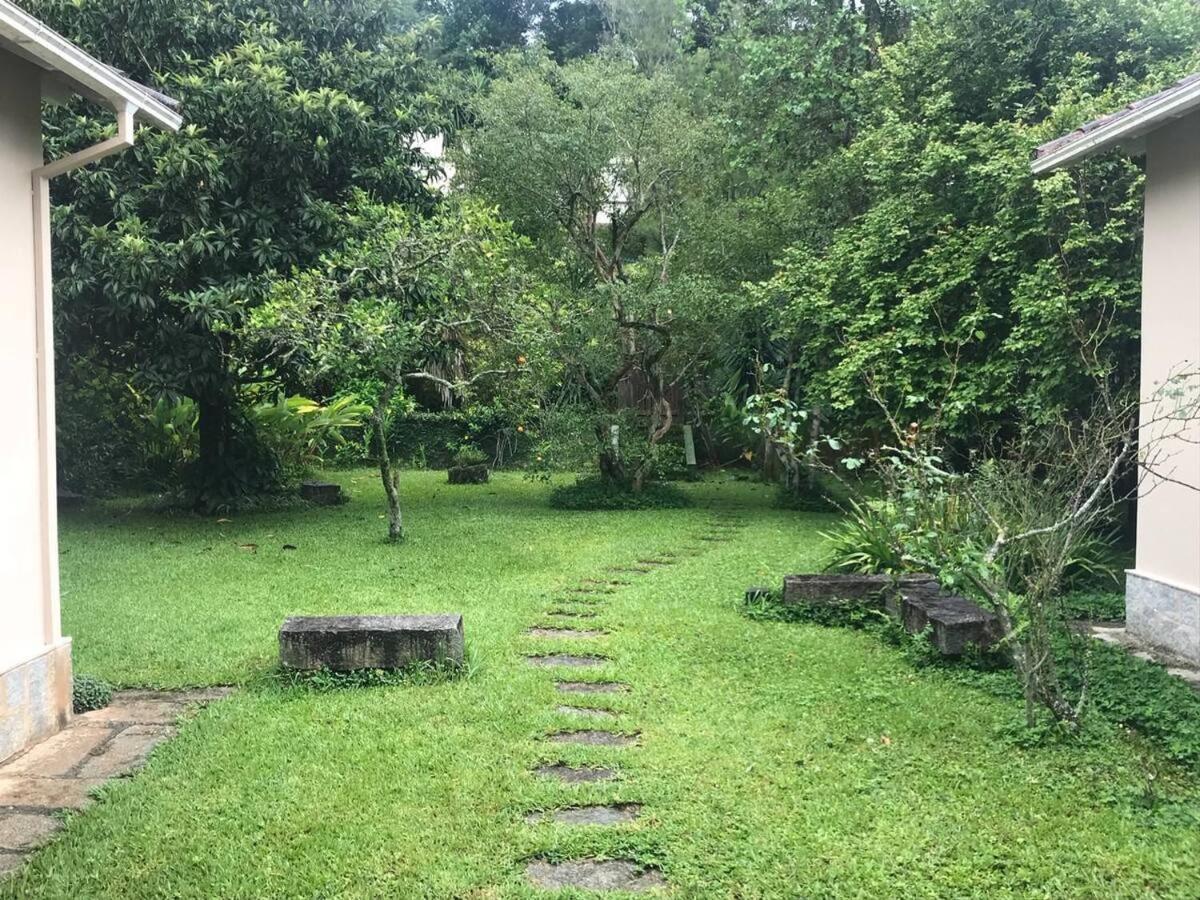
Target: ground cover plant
771, 757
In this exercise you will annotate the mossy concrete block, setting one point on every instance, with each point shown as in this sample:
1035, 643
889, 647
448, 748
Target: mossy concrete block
470, 474
322, 493
346, 643
825, 588
956, 622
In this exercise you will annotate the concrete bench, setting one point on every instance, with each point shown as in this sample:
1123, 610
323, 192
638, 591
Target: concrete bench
827, 588
322, 493
345, 643
956, 621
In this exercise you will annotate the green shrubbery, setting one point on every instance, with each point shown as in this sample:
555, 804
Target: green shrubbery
89, 692
593, 493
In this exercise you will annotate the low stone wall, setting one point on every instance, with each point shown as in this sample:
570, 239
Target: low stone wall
843, 588
346, 643
1163, 615
35, 699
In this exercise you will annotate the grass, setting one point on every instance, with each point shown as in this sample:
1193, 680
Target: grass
775, 760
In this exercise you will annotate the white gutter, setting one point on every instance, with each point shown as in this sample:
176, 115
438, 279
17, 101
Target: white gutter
44, 318
1126, 128
55, 52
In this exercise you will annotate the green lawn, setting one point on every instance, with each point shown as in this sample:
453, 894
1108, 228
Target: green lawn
776, 760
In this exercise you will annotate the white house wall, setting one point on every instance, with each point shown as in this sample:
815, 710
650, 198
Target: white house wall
35, 662
1163, 592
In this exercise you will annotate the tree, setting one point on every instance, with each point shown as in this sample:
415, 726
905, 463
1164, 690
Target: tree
375, 314
589, 159
290, 106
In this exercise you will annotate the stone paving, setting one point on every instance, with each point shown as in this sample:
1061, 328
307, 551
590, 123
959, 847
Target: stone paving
61, 772
599, 874
1115, 633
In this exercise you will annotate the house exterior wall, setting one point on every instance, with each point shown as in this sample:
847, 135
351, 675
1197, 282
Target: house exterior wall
35, 691
1163, 591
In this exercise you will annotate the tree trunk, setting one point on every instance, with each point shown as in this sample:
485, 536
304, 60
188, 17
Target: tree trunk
391, 483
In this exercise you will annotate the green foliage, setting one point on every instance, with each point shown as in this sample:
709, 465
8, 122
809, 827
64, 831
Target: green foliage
594, 493
290, 107
422, 673
469, 455
1094, 605
89, 692
303, 433
869, 540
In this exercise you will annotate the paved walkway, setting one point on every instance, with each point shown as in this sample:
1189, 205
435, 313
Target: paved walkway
62, 771
575, 615
1115, 633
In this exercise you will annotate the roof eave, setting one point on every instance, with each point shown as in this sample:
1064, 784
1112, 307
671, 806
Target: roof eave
1125, 130
86, 73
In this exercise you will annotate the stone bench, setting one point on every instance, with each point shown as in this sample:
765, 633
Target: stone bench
825, 588
469, 474
345, 643
322, 493
956, 621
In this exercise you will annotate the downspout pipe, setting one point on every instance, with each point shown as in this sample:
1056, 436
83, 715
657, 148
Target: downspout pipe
44, 314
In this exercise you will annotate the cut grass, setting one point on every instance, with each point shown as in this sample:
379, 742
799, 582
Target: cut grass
774, 760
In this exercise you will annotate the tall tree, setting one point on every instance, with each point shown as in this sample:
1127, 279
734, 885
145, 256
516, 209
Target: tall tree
290, 107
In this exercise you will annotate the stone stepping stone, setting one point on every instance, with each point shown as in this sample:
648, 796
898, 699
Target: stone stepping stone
575, 774
585, 712
592, 687
657, 562
617, 814
593, 738
602, 583
716, 540
592, 590
594, 875
565, 659
571, 613
634, 570
563, 633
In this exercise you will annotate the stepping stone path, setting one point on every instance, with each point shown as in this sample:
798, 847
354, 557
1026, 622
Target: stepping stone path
588, 815
61, 772
586, 712
562, 633
565, 659
593, 738
592, 687
595, 874
576, 774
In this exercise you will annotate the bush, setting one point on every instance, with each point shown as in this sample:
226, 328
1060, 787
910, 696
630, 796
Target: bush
1094, 606
594, 493
867, 541
468, 455
90, 692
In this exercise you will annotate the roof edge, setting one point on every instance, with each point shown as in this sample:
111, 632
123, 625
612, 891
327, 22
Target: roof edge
51, 49
1133, 122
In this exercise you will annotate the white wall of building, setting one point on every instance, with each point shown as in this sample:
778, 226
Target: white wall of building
23, 594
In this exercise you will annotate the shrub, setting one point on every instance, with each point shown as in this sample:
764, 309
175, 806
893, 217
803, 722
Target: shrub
594, 493
468, 455
90, 692
867, 541
302, 432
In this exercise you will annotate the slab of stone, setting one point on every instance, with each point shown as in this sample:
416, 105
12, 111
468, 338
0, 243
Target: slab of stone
571, 614
632, 570
585, 712
592, 590
46, 793
616, 814
127, 751
566, 659
26, 830
594, 875
346, 643
593, 738
61, 753
469, 474
576, 774
591, 687
827, 588
956, 621
322, 493
10, 862
657, 562
563, 633
150, 707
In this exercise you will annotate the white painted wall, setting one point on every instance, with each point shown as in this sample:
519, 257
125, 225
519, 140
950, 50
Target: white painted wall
23, 593
1168, 542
